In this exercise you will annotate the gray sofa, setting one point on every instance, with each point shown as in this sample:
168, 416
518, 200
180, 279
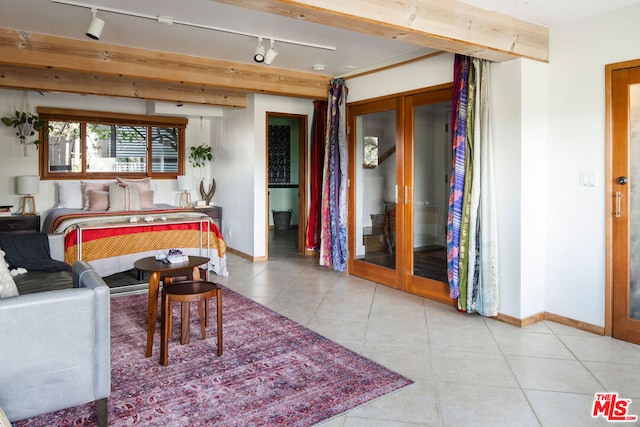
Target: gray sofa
56, 346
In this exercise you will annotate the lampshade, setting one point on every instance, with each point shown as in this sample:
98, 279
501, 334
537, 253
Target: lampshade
184, 183
28, 184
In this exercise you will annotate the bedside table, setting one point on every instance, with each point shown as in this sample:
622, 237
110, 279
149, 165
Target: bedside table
20, 224
214, 212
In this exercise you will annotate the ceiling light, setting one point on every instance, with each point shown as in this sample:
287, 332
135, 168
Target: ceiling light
319, 67
258, 53
95, 27
271, 54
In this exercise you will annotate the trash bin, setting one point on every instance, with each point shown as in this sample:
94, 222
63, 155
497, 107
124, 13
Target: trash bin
282, 219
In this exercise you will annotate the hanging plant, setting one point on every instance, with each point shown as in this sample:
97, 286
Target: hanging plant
198, 158
26, 125
200, 155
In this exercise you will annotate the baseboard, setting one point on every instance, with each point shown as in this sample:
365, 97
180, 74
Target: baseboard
563, 320
521, 323
599, 330
247, 256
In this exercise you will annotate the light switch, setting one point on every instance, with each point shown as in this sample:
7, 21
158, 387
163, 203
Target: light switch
587, 179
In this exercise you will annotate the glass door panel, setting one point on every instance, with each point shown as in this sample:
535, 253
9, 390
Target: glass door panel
375, 177
431, 168
634, 201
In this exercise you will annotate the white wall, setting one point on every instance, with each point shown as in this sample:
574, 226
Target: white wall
519, 130
14, 163
242, 166
431, 72
576, 215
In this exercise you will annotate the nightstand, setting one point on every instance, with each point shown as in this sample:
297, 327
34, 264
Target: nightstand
214, 212
20, 224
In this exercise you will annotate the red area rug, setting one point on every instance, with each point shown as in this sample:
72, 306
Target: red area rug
273, 372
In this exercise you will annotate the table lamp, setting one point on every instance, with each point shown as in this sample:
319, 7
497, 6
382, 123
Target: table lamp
185, 196
28, 185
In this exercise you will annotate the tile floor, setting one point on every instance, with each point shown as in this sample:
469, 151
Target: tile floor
468, 370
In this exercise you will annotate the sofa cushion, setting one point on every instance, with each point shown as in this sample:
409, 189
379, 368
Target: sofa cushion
30, 251
41, 281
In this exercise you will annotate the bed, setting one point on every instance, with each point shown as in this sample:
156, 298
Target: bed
111, 240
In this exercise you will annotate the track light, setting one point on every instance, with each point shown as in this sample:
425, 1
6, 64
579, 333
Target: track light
258, 54
271, 54
95, 28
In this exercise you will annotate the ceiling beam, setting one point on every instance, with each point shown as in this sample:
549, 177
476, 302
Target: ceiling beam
48, 80
154, 71
447, 25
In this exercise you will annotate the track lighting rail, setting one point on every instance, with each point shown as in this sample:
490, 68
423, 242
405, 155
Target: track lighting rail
167, 20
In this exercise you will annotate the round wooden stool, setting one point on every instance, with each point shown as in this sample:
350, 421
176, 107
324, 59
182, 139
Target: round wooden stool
186, 292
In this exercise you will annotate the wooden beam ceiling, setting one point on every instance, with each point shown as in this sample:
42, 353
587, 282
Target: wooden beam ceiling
48, 80
447, 25
47, 63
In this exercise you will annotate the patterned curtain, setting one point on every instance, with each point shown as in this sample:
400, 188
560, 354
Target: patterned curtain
472, 252
316, 160
333, 235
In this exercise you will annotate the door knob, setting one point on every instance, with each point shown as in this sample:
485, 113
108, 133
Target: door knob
622, 180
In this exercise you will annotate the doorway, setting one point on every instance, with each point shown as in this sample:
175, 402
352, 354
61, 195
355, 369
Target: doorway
623, 216
399, 193
286, 180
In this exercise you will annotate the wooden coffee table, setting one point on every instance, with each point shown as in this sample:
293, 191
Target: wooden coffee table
157, 269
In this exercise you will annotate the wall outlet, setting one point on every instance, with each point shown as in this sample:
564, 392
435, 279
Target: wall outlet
229, 232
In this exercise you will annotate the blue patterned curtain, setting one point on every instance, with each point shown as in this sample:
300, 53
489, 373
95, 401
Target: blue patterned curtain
333, 235
472, 252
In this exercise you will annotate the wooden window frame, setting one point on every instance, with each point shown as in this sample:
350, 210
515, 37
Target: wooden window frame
109, 118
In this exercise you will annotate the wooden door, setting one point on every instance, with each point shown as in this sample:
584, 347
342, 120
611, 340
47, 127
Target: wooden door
375, 177
625, 203
427, 170
398, 190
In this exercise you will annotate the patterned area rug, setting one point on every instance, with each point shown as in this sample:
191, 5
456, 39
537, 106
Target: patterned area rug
273, 372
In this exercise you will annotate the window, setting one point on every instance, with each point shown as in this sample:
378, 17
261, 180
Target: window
89, 144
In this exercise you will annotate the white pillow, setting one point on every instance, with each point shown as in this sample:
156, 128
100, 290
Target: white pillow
7, 285
69, 195
124, 198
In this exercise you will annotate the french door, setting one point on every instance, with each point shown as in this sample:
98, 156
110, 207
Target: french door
398, 193
625, 203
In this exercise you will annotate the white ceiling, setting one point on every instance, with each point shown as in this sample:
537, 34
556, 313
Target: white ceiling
354, 52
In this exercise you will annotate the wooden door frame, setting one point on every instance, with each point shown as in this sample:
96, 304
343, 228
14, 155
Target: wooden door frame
383, 275
609, 190
398, 278
302, 177
437, 291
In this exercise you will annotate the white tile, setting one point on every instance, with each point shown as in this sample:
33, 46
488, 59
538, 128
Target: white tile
533, 345
472, 368
413, 362
553, 375
617, 377
564, 409
479, 406
602, 349
415, 404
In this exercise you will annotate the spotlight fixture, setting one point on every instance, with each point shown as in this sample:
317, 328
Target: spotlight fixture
258, 53
95, 28
271, 54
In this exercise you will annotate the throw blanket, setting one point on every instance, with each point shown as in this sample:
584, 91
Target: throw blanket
30, 251
111, 242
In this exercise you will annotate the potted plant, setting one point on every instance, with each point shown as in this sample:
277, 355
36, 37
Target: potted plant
200, 155
26, 124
